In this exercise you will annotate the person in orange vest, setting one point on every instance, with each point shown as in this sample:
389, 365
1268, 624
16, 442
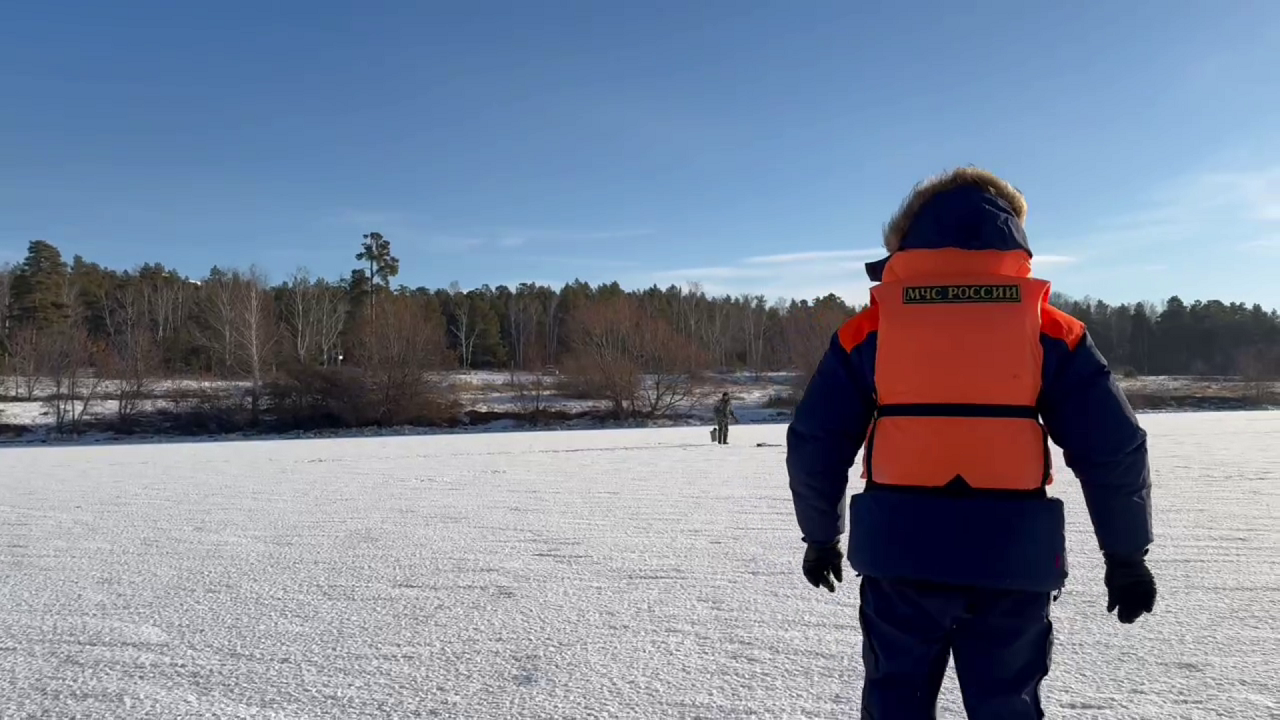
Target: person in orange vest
953, 382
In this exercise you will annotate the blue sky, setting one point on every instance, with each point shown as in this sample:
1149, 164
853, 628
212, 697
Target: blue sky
753, 146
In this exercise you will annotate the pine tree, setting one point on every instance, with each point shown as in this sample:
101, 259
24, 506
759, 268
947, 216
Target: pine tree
376, 250
39, 293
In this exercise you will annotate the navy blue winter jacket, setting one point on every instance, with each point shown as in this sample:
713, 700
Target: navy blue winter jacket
974, 540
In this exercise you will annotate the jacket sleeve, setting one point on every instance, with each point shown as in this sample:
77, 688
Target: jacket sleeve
829, 426
1088, 416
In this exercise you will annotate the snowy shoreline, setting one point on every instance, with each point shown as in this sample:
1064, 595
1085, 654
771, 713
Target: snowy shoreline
487, 402
496, 427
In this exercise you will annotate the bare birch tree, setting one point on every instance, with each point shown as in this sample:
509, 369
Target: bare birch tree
218, 316
755, 320
331, 309
169, 302
302, 316
254, 332
463, 329
132, 360
551, 320
715, 330
315, 315
690, 316
522, 325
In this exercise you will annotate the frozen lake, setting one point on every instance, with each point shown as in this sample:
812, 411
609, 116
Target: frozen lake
626, 573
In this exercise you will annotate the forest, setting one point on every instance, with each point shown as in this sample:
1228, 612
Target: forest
78, 322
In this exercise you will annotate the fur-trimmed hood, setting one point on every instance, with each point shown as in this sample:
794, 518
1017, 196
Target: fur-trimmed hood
990, 184
967, 208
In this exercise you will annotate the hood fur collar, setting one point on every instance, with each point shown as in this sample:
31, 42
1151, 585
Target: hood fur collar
925, 191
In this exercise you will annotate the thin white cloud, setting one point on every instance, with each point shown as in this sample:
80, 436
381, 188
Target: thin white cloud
1227, 206
371, 220
1053, 260
508, 238
402, 229
811, 256
798, 275
859, 268
1131, 230
586, 261
603, 235
707, 273
1257, 192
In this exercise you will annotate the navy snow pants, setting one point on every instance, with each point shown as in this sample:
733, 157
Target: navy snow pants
1002, 641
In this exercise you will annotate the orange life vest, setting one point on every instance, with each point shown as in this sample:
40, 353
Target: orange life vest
958, 372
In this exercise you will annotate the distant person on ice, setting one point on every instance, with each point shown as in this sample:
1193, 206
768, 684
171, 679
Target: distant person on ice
724, 413
947, 378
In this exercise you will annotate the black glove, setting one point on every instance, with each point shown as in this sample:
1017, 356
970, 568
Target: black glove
822, 563
1130, 587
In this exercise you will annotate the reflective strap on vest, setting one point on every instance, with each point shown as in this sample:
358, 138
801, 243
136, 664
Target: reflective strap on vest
958, 410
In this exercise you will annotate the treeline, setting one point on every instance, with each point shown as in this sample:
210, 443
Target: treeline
59, 318
1202, 338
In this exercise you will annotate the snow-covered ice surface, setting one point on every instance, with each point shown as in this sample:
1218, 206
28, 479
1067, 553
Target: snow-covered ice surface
629, 573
